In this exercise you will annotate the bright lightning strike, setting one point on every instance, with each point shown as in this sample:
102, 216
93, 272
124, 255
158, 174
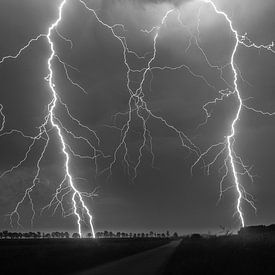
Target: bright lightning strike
51, 122
76, 194
230, 138
232, 160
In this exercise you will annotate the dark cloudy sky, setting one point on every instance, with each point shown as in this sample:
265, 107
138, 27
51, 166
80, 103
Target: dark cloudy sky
165, 197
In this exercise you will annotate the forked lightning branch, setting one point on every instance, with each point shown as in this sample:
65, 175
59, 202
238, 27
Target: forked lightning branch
233, 166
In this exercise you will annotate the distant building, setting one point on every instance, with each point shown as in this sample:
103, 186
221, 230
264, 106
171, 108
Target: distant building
257, 231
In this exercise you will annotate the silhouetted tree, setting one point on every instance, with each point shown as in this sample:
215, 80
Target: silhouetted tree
99, 234
13, 235
76, 235
5, 234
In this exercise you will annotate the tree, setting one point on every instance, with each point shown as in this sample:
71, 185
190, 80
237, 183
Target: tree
99, 234
76, 235
5, 234
14, 235
175, 235
118, 234
167, 234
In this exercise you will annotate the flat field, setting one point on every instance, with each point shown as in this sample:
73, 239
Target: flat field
66, 256
224, 255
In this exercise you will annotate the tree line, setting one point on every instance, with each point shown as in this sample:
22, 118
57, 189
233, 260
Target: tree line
66, 235
151, 234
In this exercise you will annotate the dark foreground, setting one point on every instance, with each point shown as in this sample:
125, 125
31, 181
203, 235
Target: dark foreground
224, 255
66, 256
150, 262
253, 254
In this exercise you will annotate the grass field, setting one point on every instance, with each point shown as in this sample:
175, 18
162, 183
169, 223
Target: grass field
66, 256
224, 255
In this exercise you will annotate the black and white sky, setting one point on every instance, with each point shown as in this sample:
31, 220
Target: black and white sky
165, 196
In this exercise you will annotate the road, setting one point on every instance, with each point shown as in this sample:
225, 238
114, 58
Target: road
150, 262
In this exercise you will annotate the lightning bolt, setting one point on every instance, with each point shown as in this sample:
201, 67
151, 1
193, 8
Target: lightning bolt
230, 138
137, 104
232, 162
53, 123
51, 107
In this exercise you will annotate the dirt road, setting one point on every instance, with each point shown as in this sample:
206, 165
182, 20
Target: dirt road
150, 262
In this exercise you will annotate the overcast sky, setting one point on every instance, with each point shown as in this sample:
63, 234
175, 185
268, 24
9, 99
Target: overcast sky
165, 196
